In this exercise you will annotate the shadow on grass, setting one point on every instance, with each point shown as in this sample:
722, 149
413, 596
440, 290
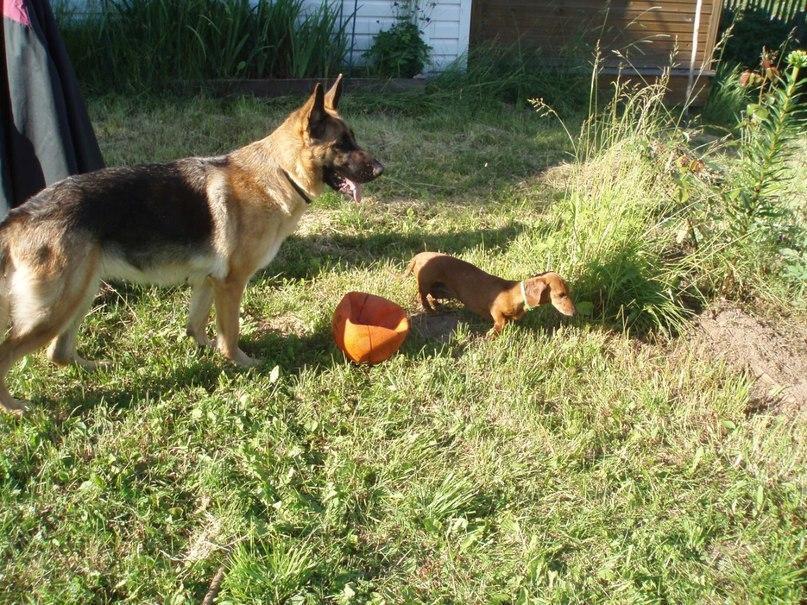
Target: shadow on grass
203, 373
292, 352
302, 257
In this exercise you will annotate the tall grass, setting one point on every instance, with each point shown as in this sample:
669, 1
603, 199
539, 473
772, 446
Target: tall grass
615, 226
513, 73
653, 226
148, 44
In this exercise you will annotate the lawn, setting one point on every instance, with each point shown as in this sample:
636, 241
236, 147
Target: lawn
566, 461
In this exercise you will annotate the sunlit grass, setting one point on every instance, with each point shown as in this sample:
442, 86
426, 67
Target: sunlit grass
565, 461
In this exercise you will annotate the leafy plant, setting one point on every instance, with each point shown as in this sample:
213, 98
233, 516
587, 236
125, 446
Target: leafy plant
769, 130
727, 97
400, 51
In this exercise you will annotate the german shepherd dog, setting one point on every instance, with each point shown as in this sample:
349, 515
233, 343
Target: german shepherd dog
209, 222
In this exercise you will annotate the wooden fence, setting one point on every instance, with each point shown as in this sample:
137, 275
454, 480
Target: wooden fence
786, 10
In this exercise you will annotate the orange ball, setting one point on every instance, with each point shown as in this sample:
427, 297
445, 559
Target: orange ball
369, 328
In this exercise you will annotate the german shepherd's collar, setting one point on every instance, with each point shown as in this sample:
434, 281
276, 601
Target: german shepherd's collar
211, 222
301, 192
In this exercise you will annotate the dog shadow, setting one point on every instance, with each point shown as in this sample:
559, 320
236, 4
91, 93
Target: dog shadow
292, 352
302, 257
431, 334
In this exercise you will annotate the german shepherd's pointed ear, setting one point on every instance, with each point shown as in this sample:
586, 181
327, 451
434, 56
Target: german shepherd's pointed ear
333, 94
313, 112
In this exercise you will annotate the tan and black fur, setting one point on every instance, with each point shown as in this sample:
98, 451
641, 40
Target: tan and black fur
209, 222
441, 276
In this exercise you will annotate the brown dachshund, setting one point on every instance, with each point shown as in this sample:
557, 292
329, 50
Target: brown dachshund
443, 276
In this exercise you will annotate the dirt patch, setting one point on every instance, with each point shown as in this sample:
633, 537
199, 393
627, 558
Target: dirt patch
284, 324
437, 326
204, 541
773, 353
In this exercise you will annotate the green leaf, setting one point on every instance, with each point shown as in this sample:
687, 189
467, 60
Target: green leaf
585, 308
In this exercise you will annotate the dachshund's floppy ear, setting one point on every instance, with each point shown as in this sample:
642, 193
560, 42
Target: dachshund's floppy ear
333, 94
313, 112
537, 290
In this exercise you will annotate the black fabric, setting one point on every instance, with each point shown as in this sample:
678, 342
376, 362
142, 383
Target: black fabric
45, 132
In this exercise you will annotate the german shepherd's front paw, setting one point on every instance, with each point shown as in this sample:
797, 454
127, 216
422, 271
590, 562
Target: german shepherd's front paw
241, 359
12, 406
201, 339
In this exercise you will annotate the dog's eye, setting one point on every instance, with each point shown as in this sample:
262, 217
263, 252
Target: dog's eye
345, 143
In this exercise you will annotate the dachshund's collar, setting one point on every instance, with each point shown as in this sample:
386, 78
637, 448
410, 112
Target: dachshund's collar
524, 296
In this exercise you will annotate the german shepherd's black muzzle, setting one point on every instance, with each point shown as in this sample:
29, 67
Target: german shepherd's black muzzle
350, 167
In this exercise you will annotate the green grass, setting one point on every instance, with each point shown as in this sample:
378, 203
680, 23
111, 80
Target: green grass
567, 461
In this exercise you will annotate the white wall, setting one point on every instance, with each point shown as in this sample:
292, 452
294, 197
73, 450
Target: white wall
446, 31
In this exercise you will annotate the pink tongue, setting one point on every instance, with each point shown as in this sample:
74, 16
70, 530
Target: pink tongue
352, 189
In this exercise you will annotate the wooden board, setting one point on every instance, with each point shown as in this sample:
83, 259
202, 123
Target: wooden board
650, 31
676, 87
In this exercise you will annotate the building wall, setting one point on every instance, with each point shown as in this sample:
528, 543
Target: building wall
445, 23
647, 31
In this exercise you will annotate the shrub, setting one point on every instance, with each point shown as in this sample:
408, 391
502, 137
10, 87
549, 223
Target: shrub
400, 51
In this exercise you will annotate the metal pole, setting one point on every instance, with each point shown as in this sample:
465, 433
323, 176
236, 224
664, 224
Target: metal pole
695, 30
